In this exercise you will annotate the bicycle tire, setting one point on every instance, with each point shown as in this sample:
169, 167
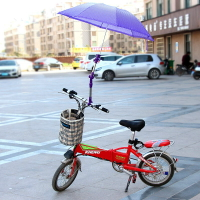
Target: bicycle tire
62, 174
158, 178
179, 71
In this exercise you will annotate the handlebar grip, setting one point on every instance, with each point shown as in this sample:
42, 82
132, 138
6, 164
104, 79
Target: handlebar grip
105, 110
65, 90
72, 92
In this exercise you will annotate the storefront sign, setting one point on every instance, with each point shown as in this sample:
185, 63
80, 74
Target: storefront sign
81, 50
177, 21
91, 49
103, 49
180, 23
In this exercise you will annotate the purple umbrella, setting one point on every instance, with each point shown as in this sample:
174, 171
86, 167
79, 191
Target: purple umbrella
109, 18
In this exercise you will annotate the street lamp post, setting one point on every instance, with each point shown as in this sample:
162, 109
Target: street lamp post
70, 44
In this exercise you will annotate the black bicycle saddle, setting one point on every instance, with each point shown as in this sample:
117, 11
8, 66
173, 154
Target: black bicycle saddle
134, 125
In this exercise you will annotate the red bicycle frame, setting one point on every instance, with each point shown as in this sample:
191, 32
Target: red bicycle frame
114, 155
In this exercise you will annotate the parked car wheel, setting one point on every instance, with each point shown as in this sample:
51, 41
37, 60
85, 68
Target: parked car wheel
36, 70
154, 74
108, 75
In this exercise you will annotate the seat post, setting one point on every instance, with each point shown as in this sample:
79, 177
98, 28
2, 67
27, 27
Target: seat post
132, 135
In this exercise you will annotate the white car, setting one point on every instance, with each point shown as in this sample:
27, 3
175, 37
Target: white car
9, 68
89, 63
135, 65
106, 60
25, 65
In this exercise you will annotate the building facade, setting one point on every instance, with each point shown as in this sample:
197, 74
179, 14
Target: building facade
125, 44
14, 38
54, 34
175, 28
63, 36
33, 45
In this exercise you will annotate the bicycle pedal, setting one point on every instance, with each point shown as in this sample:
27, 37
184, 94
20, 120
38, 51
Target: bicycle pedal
134, 177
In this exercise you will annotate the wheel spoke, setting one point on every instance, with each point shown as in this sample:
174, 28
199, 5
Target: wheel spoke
63, 178
164, 166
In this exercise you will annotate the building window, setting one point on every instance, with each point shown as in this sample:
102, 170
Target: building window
169, 6
159, 7
187, 3
169, 48
93, 33
149, 10
111, 45
187, 43
135, 44
160, 47
111, 37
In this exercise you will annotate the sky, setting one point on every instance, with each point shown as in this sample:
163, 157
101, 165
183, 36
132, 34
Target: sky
21, 9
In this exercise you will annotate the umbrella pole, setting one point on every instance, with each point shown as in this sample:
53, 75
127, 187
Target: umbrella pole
91, 76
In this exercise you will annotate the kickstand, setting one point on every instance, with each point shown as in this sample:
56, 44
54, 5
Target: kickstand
133, 177
128, 183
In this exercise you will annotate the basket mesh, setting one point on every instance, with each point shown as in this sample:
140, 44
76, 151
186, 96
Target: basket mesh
71, 127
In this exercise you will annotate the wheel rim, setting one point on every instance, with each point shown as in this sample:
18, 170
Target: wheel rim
109, 76
164, 170
64, 176
154, 73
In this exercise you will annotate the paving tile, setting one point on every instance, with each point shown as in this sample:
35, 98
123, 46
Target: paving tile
29, 119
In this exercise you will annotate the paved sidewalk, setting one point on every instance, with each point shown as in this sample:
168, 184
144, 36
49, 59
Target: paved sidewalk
29, 124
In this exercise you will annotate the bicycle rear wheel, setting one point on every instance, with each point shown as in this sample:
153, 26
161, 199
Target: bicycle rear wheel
179, 71
165, 166
64, 175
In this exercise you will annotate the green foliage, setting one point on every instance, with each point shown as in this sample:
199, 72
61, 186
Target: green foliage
50, 55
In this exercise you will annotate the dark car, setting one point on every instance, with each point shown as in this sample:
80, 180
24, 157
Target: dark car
47, 63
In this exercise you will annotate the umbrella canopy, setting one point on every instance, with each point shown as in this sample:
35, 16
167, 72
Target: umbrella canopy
108, 17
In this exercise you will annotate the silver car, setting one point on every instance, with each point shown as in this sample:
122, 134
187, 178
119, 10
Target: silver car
135, 65
9, 68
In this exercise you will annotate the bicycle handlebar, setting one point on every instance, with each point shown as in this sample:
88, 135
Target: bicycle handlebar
74, 95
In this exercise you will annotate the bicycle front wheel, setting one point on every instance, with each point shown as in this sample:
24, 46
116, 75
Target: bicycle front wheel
64, 175
165, 167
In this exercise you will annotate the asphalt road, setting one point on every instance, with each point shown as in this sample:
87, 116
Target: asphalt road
30, 151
